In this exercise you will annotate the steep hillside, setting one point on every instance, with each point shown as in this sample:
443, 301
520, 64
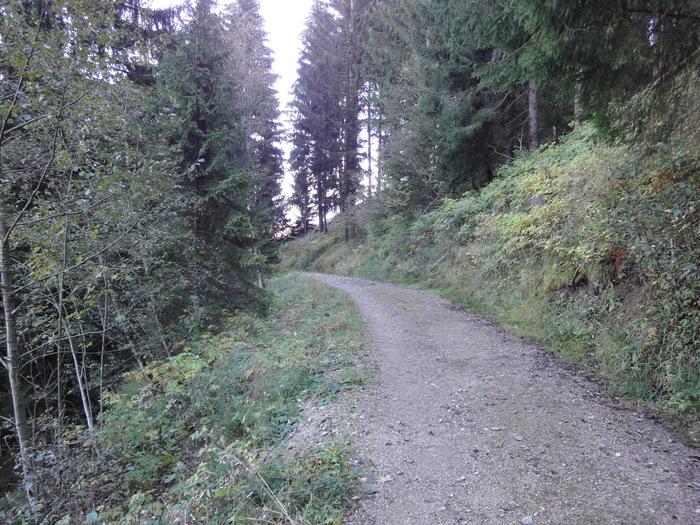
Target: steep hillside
589, 247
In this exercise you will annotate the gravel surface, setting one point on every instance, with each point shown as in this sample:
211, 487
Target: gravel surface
465, 423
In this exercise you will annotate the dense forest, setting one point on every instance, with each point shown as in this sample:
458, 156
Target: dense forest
527, 156
449, 91
140, 171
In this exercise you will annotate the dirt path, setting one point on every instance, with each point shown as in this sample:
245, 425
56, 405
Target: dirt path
466, 423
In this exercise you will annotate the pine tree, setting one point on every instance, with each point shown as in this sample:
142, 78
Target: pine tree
219, 79
251, 64
606, 54
327, 107
317, 103
441, 129
300, 162
212, 139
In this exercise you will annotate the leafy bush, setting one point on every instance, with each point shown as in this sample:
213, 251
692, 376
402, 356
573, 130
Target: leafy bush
201, 435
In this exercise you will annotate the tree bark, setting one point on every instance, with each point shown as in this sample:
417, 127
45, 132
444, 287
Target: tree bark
306, 212
321, 195
11, 360
261, 276
379, 151
578, 105
533, 115
81, 379
369, 144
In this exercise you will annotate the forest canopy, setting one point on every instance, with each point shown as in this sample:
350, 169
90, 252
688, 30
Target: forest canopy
444, 93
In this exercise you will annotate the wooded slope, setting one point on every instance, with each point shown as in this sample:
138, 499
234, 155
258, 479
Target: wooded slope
535, 160
589, 247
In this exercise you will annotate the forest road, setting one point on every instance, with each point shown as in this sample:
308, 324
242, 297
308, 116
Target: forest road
462, 422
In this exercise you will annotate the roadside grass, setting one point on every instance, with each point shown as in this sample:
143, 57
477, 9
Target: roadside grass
590, 248
202, 436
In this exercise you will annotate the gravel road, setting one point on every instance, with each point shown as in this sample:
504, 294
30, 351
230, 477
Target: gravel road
465, 423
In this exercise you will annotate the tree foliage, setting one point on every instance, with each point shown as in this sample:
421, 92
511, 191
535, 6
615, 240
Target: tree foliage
140, 182
464, 86
325, 140
545, 154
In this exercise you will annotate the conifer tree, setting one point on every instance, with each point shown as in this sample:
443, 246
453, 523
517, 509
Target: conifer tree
327, 107
251, 64
212, 138
300, 162
318, 110
608, 53
218, 77
441, 130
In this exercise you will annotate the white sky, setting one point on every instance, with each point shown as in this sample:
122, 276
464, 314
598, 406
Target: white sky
284, 21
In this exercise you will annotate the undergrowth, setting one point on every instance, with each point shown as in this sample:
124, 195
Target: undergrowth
201, 437
588, 247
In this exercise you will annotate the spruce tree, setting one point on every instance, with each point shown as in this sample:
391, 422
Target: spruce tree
218, 78
318, 109
251, 64
326, 147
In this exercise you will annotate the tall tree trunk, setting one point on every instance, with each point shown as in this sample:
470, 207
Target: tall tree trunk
369, 145
11, 361
59, 325
347, 226
261, 276
352, 117
103, 345
81, 379
379, 151
321, 197
578, 105
305, 213
533, 115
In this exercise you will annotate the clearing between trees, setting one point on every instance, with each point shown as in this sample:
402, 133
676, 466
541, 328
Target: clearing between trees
465, 423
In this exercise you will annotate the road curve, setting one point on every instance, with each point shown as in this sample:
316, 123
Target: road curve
465, 423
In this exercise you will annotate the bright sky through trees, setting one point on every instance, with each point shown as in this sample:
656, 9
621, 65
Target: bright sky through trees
284, 22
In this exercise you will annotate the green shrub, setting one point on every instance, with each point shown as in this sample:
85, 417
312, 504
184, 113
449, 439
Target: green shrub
202, 435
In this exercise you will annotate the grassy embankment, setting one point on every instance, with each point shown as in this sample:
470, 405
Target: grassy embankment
203, 436
590, 248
